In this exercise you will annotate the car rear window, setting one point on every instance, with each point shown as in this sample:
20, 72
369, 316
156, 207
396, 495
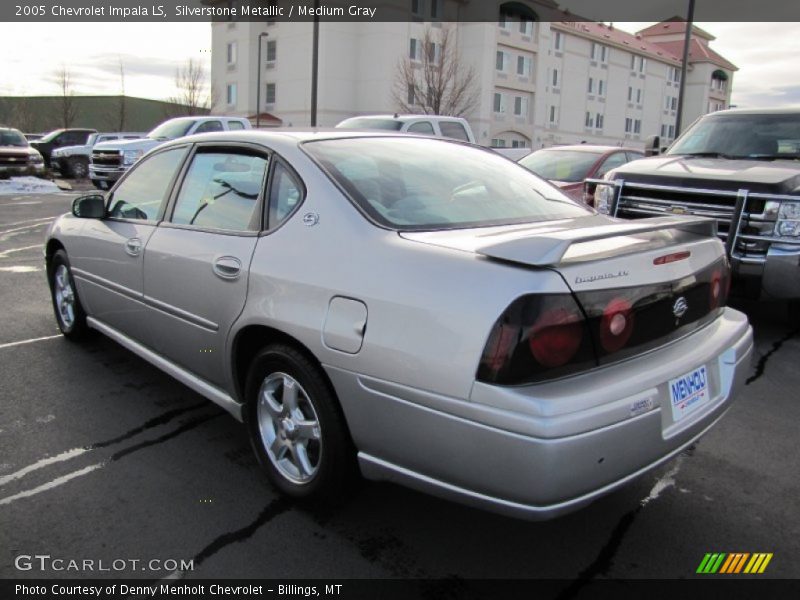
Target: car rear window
422, 184
453, 129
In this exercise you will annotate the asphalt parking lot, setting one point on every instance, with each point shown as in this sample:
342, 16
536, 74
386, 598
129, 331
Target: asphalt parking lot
104, 457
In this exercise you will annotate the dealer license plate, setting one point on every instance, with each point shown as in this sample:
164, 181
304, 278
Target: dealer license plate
689, 392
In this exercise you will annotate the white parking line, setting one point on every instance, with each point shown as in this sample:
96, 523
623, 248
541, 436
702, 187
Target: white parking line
69, 454
5, 253
51, 484
30, 341
26, 221
21, 269
20, 203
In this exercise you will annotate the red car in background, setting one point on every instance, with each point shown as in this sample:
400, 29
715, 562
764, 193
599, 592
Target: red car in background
568, 166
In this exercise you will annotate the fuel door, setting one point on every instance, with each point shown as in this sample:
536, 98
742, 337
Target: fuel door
345, 324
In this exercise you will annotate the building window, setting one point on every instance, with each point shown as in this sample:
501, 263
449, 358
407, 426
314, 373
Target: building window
503, 22
628, 125
599, 52
601, 88
637, 126
638, 95
524, 66
671, 131
269, 97
555, 78
558, 41
642, 64
499, 103
231, 53
598, 121
552, 114
633, 62
272, 50
674, 103
518, 144
436, 8
663, 131
521, 106
673, 74
415, 49
630, 94
500, 60
412, 98
498, 143
435, 53
525, 26
416, 7
230, 94
589, 120
591, 86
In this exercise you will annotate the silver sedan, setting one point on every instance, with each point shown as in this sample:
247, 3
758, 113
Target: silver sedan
417, 310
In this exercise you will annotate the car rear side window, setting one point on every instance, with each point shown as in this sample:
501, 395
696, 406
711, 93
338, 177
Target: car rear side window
221, 191
453, 129
421, 127
142, 193
285, 195
209, 126
235, 125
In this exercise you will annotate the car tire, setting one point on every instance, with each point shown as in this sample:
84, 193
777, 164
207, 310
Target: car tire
70, 316
296, 426
77, 168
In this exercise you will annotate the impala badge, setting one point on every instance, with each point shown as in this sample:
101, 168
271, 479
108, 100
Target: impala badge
680, 307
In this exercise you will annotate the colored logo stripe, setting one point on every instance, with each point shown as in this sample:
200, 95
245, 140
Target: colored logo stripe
724, 563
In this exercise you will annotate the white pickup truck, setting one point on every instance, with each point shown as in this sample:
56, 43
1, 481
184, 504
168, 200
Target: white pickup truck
111, 159
435, 125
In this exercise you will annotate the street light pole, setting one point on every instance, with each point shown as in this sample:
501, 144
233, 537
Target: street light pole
258, 80
314, 65
686, 41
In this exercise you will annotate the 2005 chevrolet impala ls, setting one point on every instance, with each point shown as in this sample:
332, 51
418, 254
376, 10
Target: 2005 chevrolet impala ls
421, 309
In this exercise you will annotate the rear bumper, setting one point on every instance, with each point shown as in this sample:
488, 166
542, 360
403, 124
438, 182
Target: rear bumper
538, 451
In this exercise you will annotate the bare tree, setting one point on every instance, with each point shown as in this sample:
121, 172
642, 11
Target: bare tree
67, 105
436, 81
23, 117
194, 96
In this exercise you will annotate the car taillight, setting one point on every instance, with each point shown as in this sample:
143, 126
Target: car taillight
719, 287
538, 337
616, 324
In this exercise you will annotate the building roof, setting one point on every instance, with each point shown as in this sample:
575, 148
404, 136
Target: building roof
674, 25
699, 52
609, 34
265, 119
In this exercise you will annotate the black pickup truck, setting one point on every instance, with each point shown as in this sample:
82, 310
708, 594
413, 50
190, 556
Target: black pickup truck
740, 167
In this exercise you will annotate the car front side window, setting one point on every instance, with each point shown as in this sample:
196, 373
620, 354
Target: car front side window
222, 190
143, 192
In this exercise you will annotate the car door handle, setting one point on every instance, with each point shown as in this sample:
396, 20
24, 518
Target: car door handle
133, 246
227, 267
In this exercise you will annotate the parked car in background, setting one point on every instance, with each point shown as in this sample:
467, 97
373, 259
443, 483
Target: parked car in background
59, 138
568, 166
423, 308
110, 160
73, 161
17, 157
741, 168
33, 136
435, 125
514, 154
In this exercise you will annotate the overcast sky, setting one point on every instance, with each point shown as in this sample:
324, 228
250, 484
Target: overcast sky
766, 54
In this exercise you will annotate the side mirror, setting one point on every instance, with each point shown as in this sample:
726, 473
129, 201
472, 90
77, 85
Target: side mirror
652, 145
92, 206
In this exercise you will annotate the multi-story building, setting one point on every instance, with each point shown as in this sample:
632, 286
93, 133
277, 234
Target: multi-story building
538, 83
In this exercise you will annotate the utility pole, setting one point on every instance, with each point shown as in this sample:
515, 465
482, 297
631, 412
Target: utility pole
686, 42
258, 79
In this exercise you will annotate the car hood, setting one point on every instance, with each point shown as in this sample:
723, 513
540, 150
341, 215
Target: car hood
140, 144
592, 252
778, 176
17, 150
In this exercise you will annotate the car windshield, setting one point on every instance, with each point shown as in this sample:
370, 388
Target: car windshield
561, 165
423, 184
738, 135
51, 136
371, 123
12, 137
171, 130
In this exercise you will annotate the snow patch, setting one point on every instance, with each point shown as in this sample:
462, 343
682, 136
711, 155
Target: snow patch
27, 185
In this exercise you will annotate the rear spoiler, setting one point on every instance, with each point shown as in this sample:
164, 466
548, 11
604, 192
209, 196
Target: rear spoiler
548, 249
